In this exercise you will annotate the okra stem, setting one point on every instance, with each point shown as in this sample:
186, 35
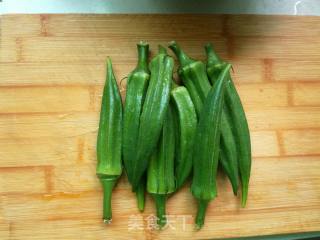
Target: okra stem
201, 214
107, 186
183, 58
160, 200
213, 58
143, 53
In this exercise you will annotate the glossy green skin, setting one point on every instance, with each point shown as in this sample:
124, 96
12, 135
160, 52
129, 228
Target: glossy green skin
238, 118
153, 113
195, 73
207, 147
195, 97
109, 166
242, 137
110, 129
194, 77
136, 90
135, 94
160, 177
228, 151
186, 122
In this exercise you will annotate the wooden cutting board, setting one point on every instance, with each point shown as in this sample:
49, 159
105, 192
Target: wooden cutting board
52, 70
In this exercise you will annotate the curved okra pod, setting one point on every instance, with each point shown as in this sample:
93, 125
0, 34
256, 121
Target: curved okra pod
137, 85
239, 122
186, 123
228, 154
242, 137
160, 178
206, 149
228, 151
194, 76
109, 137
153, 113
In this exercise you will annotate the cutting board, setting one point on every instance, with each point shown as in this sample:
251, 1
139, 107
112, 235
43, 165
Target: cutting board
52, 71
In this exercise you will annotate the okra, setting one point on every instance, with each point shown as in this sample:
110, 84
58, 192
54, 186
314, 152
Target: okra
161, 179
109, 167
186, 123
228, 151
153, 113
136, 90
238, 118
193, 75
206, 149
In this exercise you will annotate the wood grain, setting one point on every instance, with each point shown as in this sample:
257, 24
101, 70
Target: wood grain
300, 70
297, 142
276, 26
266, 94
306, 94
55, 74
57, 151
52, 71
44, 99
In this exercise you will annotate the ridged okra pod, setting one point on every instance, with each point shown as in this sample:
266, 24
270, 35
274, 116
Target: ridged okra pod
153, 113
228, 150
136, 90
193, 75
238, 121
109, 167
207, 147
185, 128
160, 177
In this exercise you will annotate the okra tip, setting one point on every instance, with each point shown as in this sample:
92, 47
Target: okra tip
109, 66
244, 196
140, 195
234, 189
183, 58
109, 62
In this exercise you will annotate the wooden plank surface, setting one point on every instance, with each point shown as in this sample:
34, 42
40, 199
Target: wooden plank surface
51, 77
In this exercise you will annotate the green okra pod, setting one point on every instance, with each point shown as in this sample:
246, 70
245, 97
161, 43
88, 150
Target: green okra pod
109, 167
238, 118
160, 178
137, 85
153, 113
242, 137
194, 76
207, 147
186, 123
228, 151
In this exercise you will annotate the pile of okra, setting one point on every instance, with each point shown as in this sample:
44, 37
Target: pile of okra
166, 133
